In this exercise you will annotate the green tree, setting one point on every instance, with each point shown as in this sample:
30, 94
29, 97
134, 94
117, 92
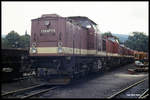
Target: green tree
137, 41
11, 40
4, 43
24, 41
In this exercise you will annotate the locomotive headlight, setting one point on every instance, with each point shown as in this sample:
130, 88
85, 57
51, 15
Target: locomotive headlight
60, 50
34, 50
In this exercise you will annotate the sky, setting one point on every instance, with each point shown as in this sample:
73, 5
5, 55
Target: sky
116, 17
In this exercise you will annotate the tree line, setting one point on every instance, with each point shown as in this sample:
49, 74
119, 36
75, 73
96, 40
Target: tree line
14, 40
138, 41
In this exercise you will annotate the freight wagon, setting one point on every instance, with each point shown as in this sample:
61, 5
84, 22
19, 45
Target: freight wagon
141, 56
13, 64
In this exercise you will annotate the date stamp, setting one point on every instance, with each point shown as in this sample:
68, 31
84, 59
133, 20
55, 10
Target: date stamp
133, 94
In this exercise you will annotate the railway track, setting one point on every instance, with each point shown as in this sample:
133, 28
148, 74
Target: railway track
143, 95
29, 92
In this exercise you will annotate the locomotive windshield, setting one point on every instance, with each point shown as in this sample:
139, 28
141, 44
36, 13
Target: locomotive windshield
85, 24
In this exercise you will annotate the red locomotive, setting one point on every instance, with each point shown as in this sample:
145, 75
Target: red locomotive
71, 46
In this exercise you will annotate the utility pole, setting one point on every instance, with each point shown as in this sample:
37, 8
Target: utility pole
26, 32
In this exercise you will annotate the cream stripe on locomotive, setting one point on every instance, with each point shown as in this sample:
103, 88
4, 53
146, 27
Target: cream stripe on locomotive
91, 51
47, 49
67, 50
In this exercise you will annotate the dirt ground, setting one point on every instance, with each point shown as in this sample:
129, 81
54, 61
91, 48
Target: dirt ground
98, 86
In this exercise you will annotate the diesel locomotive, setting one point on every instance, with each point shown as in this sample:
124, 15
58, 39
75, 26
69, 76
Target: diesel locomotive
72, 46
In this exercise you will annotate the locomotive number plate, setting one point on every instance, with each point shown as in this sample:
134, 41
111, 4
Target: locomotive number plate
48, 30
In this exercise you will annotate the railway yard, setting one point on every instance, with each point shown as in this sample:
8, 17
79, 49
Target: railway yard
69, 58
110, 84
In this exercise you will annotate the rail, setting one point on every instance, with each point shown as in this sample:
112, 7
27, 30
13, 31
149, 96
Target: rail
29, 92
129, 87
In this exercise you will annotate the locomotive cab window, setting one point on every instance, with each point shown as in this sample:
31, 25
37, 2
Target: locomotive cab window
85, 24
95, 28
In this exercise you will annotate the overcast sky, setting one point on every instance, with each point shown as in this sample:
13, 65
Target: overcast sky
116, 17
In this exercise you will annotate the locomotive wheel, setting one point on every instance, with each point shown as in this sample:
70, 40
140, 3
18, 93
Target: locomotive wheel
98, 65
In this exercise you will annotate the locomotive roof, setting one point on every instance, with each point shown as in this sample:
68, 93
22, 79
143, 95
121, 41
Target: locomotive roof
50, 15
81, 17
71, 17
47, 16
